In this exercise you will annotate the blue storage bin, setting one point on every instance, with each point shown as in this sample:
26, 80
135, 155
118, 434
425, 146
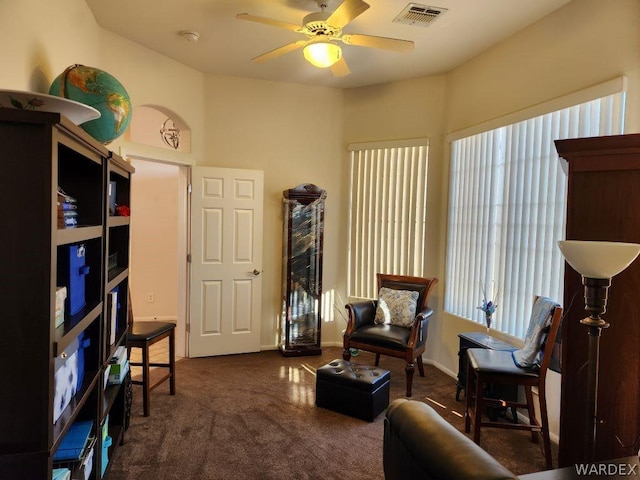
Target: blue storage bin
74, 442
106, 443
73, 270
76, 450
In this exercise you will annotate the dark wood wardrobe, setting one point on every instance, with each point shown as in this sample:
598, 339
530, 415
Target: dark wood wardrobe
603, 204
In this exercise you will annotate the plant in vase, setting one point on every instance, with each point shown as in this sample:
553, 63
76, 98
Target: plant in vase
489, 308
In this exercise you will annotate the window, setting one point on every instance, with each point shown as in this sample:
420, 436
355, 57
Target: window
507, 202
387, 212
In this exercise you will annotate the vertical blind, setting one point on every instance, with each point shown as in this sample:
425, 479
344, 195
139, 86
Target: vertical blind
387, 212
507, 202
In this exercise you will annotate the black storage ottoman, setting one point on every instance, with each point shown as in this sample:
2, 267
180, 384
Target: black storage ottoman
357, 390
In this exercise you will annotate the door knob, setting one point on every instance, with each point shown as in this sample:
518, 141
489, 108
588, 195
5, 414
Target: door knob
256, 272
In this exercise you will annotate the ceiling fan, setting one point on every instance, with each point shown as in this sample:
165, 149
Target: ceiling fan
324, 31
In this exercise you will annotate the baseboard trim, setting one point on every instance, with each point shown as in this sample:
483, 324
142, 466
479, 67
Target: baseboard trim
441, 367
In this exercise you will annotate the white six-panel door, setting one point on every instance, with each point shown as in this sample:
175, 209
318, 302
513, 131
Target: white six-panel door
226, 261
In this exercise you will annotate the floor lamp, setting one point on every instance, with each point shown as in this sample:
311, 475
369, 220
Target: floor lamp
597, 262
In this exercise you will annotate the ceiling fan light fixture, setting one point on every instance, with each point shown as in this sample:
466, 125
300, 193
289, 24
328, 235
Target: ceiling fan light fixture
322, 54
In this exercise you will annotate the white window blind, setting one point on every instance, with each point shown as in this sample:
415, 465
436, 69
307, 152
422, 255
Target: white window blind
388, 199
507, 203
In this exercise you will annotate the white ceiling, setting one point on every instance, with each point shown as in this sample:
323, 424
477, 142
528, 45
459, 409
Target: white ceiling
227, 45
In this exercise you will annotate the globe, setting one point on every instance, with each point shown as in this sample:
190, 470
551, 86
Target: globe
100, 90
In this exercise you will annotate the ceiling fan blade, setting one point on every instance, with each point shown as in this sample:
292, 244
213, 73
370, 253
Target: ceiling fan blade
268, 21
386, 43
340, 68
346, 11
279, 51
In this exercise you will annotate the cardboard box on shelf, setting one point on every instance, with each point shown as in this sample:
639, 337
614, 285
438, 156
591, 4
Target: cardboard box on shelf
61, 296
119, 366
117, 372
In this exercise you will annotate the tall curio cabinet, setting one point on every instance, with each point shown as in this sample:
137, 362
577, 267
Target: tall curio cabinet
302, 270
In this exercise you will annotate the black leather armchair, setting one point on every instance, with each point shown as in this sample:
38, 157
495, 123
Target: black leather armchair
419, 443
382, 339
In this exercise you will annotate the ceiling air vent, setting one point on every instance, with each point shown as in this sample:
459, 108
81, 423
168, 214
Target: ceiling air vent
419, 15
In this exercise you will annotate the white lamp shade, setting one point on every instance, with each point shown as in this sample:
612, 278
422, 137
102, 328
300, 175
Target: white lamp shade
322, 54
598, 259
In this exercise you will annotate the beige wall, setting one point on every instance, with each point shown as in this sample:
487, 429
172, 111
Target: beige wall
294, 134
40, 39
582, 44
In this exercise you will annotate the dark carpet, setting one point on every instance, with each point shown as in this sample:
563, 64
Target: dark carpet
253, 416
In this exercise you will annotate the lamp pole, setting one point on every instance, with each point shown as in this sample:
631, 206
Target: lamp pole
595, 298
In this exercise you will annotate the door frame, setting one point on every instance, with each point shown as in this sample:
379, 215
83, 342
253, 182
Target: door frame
184, 161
